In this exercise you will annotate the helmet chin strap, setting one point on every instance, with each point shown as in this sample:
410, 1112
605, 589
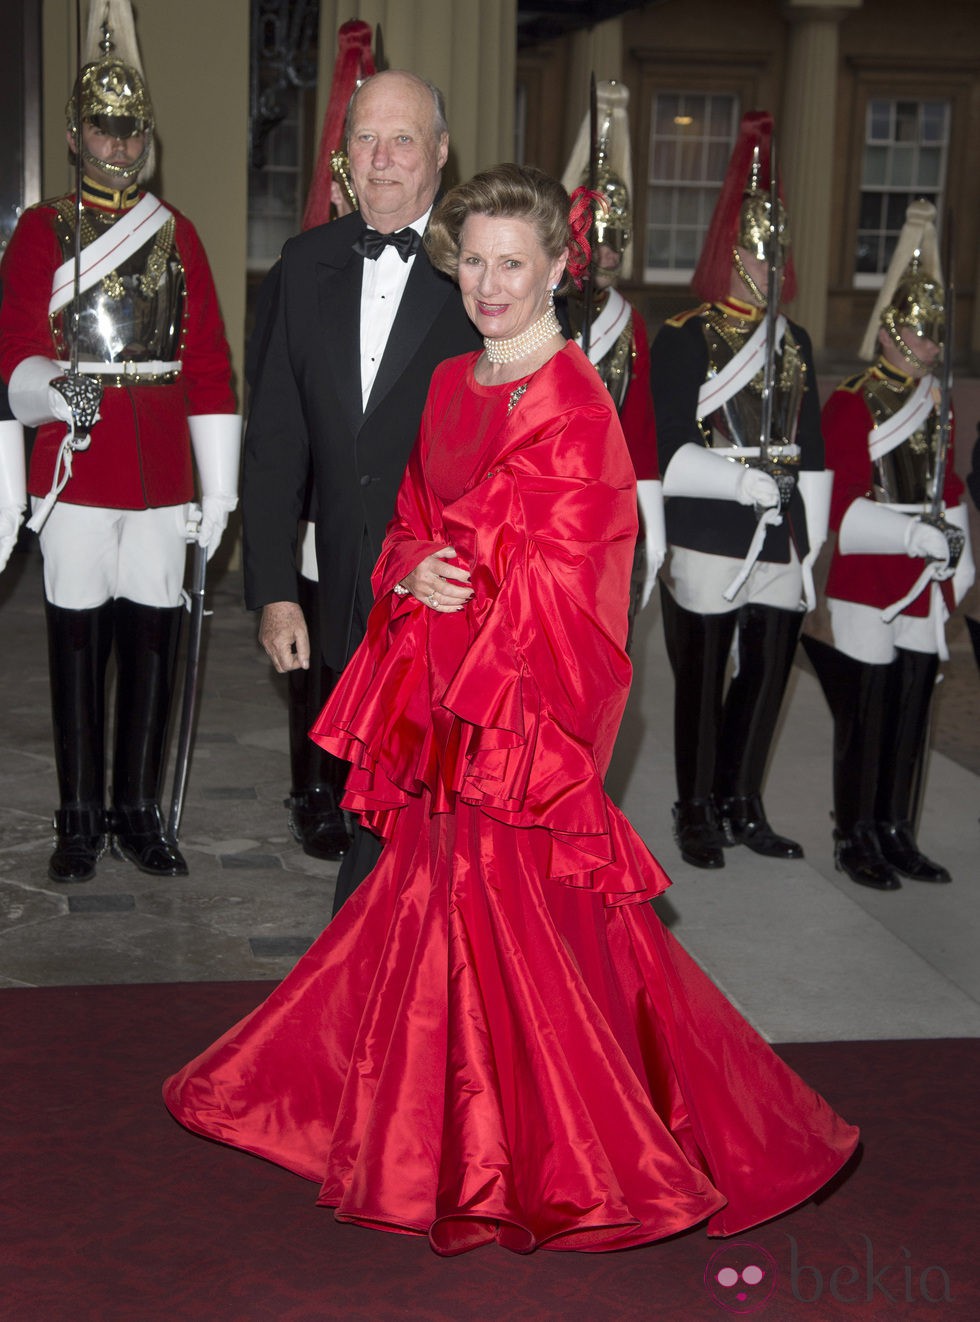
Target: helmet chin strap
893, 331
747, 280
125, 172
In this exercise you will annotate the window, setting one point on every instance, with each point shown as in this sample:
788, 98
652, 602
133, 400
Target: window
905, 151
691, 139
276, 191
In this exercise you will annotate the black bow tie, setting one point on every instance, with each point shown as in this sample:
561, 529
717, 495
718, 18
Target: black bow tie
371, 244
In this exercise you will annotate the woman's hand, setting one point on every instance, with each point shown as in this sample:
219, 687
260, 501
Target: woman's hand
439, 585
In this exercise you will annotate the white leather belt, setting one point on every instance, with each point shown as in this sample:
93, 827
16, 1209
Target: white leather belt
142, 372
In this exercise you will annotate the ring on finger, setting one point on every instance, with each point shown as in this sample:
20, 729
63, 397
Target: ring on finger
430, 599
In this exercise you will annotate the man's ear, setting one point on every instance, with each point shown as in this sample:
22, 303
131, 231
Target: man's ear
443, 153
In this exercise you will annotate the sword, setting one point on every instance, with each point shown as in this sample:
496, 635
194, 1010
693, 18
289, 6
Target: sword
955, 537
82, 394
199, 571
588, 285
785, 481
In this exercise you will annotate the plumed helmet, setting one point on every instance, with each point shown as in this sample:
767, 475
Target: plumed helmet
741, 214
109, 89
614, 170
912, 294
354, 63
755, 215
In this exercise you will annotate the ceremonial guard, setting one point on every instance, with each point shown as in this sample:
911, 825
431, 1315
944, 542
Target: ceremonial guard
901, 563
609, 328
124, 371
746, 495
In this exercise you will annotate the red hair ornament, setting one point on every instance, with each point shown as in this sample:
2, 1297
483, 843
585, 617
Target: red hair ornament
580, 218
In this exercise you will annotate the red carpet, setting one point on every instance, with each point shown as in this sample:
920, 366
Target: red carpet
112, 1213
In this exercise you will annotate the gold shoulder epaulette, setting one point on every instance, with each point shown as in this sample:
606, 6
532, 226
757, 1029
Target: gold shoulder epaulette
51, 202
853, 383
683, 317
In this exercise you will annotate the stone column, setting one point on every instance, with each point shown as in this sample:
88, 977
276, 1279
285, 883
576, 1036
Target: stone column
466, 47
805, 143
597, 50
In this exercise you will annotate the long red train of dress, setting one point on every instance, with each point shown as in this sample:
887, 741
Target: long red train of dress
496, 1038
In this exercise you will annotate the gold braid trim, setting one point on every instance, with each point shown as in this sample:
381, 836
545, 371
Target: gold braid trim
156, 262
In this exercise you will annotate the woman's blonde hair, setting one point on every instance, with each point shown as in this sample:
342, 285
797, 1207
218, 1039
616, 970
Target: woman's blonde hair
520, 191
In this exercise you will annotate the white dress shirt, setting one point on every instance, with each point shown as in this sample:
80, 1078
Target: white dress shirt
382, 286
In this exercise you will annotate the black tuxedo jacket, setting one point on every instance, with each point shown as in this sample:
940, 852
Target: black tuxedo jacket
306, 411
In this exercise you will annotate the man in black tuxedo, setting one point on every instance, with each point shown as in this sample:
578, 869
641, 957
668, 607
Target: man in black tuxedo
361, 320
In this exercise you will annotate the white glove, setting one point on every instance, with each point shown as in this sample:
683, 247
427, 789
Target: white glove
216, 439
32, 401
870, 528
928, 543
214, 520
58, 406
650, 495
757, 488
9, 524
695, 471
816, 488
13, 486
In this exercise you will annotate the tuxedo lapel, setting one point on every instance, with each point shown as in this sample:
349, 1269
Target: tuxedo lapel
425, 295
338, 277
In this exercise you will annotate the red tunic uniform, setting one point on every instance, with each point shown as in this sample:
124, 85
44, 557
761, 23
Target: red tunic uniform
870, 580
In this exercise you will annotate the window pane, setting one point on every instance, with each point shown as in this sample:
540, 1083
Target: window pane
930, 164
905, 155
934, 121
875, 166
879, 121
691, 139
906, 121
667, 107
902, 166
897, 204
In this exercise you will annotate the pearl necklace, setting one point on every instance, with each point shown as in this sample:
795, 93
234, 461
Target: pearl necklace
521, 346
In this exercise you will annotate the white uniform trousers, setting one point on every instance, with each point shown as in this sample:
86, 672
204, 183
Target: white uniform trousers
94, 555
860, 632
697, 582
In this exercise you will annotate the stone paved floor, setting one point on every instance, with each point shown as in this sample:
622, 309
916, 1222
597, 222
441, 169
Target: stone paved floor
802, 951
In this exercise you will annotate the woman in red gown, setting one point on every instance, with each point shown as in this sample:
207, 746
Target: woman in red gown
496, 1038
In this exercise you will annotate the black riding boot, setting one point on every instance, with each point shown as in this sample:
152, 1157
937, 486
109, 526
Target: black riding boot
766, 643
856, 693
903, 755
697, 646
79, 643
315, 818
146, 654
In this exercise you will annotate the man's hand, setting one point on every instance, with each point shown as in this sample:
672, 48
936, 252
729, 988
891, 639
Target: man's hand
282, 632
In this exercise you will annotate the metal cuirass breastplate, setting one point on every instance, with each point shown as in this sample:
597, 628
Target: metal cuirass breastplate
615, 367
906, 474
739, 421
134, 314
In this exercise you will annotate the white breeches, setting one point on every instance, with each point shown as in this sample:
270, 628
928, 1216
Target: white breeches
93, 555
860, 632
698, 582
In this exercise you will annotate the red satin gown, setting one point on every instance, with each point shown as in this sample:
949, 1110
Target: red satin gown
496, 1038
